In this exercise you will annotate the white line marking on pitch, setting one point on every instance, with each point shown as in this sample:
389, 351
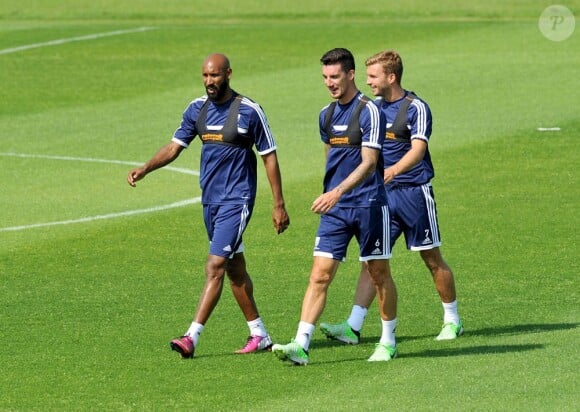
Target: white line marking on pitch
73, 39
102, 217
90, 159
109, 215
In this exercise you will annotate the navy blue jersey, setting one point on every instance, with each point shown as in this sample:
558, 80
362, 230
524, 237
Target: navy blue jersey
344, 158
228, 172
419, 123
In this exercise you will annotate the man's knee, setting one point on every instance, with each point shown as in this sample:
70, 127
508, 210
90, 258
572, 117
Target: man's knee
434, 261
378, 268
320, 278
215, 266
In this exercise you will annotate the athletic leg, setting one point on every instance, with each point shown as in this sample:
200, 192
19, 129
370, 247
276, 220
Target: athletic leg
441, 273
214, 281
380, 274
242, 286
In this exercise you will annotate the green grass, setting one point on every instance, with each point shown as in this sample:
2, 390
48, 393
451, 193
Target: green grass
87, 309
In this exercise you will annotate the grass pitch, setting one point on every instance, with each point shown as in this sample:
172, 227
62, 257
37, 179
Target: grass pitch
89, 304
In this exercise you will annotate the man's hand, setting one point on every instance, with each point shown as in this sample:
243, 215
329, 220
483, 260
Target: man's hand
389, 174
164, 156
326, 201
280, 219
135, 175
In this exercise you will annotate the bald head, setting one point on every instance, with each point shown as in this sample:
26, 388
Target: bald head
217, 61
216, 74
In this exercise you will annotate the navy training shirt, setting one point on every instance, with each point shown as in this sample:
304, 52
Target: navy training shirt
342, 160
228, 173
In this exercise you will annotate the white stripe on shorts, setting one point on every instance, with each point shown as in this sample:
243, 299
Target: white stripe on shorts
387, 253
387, 231
241, 228
432, 211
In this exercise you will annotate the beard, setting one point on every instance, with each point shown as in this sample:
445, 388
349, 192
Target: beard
217, 93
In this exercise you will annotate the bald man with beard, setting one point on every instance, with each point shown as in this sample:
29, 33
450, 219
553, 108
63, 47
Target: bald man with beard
229, 126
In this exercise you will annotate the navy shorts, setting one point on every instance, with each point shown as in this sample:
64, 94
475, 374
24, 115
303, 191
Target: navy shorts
414, 213
369, 225
225, 225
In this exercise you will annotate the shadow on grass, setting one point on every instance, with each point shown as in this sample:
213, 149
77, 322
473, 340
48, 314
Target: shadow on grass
447, 352
469, 350
372, 339
524, 329
472, 350
441, 352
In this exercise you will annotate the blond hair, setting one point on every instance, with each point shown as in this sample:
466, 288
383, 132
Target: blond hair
390, 61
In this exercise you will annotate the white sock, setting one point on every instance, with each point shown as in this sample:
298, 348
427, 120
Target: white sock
357, 317
388, 335
257, 327
304, 334
194, 331
450, 314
